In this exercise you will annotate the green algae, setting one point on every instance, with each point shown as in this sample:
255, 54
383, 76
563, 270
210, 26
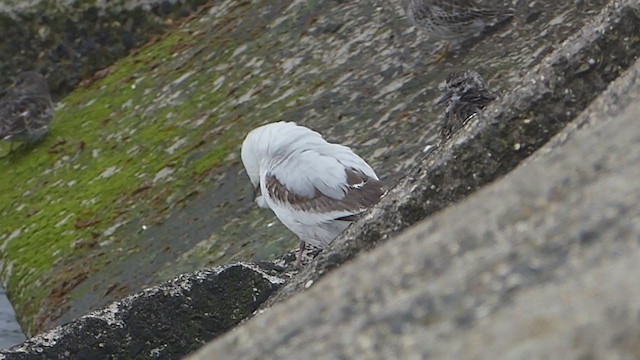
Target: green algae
126, 148
75, 184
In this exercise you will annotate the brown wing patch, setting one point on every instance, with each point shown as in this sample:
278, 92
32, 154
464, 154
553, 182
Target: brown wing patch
362, 193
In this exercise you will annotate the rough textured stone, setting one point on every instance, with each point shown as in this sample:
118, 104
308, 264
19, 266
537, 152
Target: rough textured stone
466, 278
166, 321
543, 102
140, 179
71, 40
540, 264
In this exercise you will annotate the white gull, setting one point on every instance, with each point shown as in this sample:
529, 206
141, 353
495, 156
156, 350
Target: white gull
314, 187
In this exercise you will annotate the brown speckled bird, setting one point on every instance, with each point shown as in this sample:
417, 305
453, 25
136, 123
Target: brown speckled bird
465, 95
26, 109
453, 20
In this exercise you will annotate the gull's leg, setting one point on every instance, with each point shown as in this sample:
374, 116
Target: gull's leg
299, 257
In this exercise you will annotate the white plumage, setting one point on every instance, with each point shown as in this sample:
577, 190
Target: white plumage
314, 187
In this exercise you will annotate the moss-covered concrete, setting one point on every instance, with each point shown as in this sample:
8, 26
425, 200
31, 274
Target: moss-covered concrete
140, 177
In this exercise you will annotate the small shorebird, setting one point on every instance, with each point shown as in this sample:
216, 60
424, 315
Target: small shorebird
26, 109
465, 94
452, 20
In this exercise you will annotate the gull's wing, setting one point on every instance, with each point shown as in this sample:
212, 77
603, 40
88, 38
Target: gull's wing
329, 181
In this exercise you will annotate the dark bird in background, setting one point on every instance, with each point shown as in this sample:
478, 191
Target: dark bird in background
453, 20
26, 109
465, 94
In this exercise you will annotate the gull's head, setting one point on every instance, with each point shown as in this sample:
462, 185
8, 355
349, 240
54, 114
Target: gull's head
265, 144
251, 158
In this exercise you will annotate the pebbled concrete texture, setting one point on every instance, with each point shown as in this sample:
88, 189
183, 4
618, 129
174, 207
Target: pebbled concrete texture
545, 226
165, 321
540, 103
140, 180
69, 40
540, 264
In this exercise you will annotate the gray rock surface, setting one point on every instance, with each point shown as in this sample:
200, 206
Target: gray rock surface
548, 97
166, 321
70, 40
351, 70
355, 71
541, 264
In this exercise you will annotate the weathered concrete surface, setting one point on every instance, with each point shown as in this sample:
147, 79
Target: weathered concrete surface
541, 264
166, 321
70, 40
521, 118
509, 130
140, 180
